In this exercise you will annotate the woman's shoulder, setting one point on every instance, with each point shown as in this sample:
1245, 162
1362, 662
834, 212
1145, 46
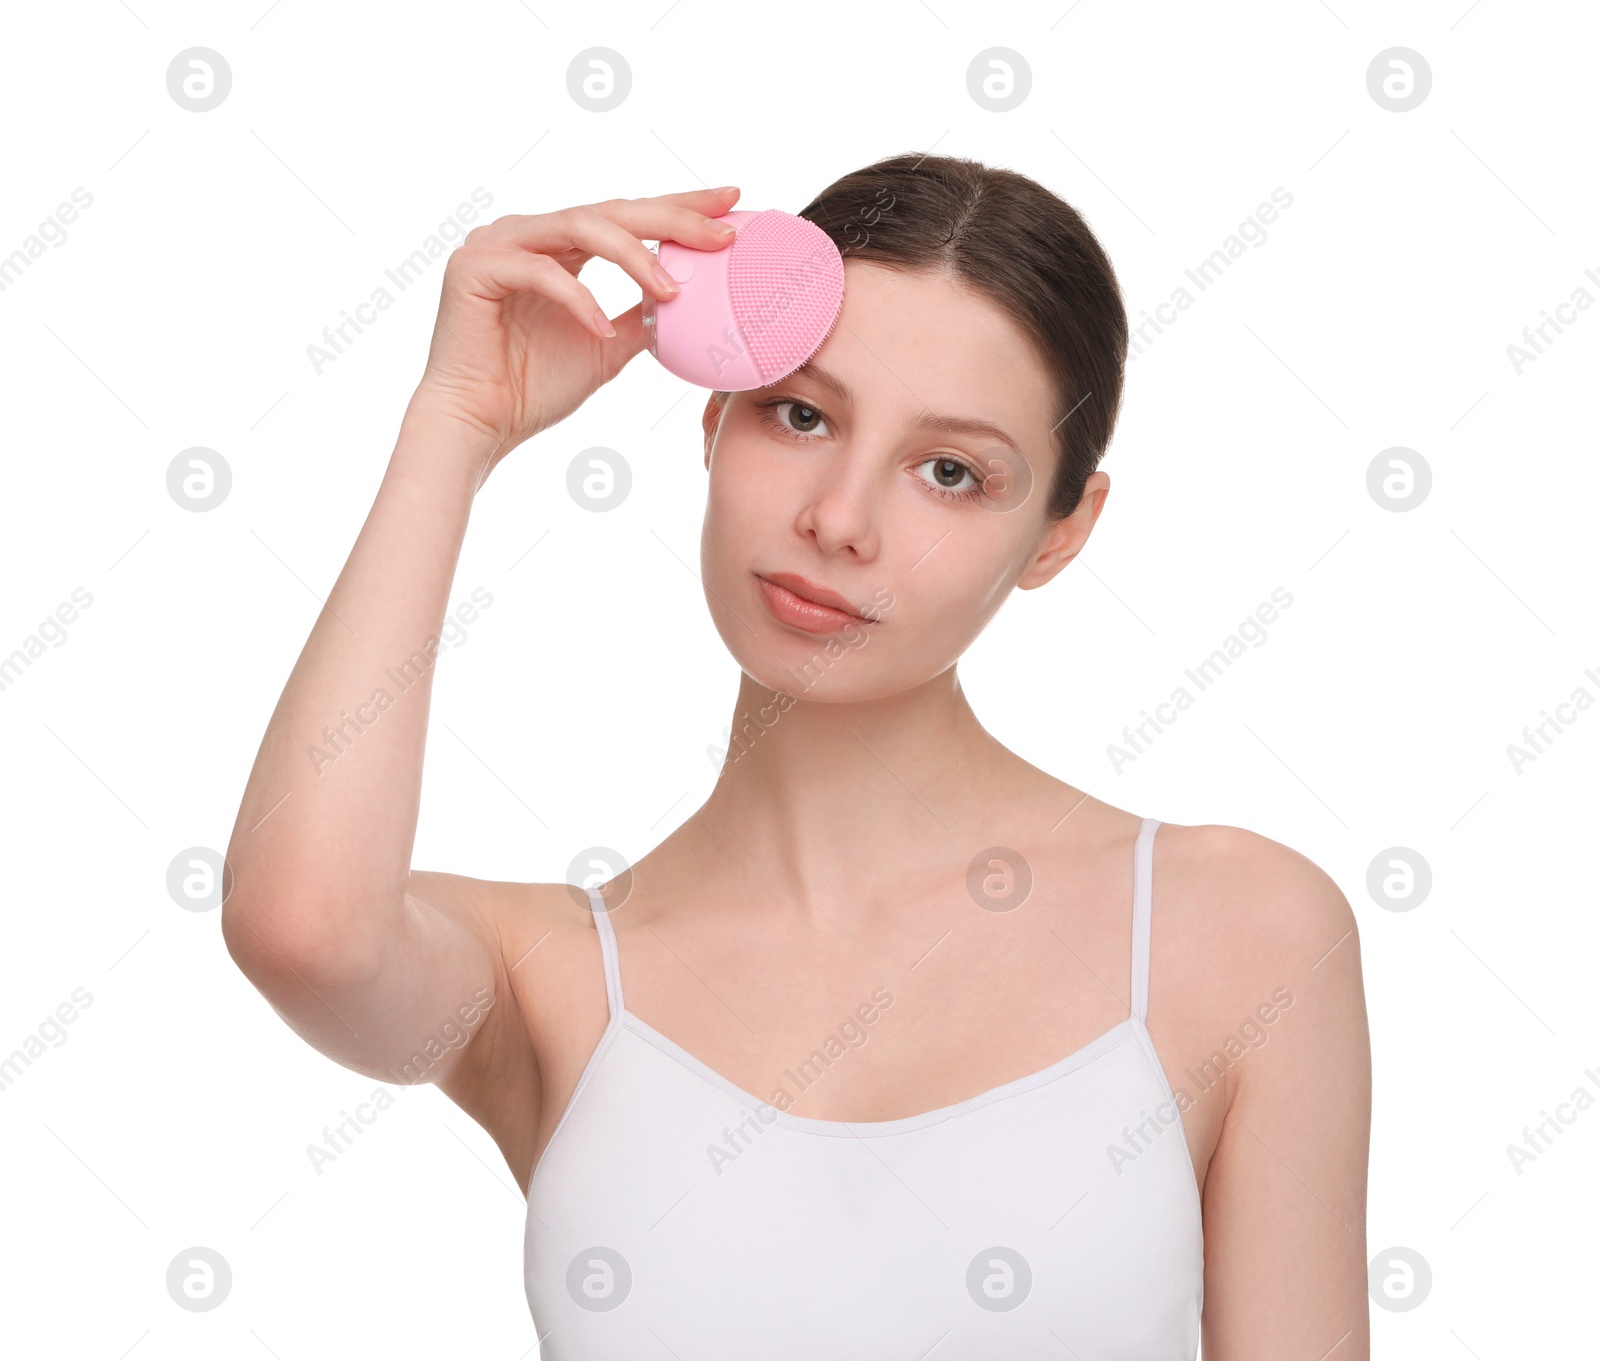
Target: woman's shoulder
1251, 883
1255, 915
1235, 876
1241, 875
1232, 901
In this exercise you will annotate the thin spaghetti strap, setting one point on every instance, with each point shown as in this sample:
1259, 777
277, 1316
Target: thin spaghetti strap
608, 952
1143, 861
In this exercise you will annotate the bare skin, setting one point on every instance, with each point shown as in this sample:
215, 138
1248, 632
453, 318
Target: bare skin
832, 856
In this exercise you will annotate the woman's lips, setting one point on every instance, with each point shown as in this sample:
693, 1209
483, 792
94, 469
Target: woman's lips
788, 608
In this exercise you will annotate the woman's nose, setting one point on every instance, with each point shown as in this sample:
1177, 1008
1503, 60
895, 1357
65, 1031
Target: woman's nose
842, 513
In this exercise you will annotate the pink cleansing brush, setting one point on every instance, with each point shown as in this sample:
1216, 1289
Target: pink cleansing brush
750, 313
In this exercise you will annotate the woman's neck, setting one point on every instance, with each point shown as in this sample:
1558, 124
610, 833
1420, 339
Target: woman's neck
823, 804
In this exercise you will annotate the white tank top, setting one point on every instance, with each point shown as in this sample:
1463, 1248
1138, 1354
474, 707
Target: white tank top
675, 1215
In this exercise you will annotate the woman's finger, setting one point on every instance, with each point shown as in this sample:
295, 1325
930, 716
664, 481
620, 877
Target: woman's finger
491, 274
597, 233
572, 234
683, 222
712, 202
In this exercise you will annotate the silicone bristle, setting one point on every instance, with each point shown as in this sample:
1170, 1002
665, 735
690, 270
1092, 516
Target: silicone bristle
786, 284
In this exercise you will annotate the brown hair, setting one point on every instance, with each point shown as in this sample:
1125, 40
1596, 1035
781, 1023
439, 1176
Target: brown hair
1026, 249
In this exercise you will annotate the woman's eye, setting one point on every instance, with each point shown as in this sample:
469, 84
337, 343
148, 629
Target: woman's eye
802, 419
952, 478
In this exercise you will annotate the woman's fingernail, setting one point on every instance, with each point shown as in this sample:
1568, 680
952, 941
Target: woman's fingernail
664, 279
727, 189
604, 323
726, 228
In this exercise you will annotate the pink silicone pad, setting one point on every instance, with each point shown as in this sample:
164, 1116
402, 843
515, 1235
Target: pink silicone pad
753, 312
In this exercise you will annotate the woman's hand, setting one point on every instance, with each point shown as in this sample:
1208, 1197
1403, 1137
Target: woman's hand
519, 342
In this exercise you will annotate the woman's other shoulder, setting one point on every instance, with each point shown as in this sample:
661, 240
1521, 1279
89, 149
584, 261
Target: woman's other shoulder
1260, 896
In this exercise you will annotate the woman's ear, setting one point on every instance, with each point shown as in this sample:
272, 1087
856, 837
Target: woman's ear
1065, 538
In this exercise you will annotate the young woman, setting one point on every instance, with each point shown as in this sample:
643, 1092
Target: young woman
899, 1046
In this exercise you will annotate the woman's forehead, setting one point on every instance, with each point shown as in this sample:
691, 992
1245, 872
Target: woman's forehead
926, 343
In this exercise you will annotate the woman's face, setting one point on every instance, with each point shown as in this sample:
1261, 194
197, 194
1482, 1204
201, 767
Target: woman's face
904, 468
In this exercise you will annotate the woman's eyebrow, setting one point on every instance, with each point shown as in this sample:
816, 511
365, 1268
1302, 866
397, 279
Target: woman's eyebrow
927, 420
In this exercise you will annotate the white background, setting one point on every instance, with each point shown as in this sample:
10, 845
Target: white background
579, 709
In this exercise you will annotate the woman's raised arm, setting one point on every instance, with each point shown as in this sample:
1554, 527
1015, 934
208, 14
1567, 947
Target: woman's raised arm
318, 915
367, 962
